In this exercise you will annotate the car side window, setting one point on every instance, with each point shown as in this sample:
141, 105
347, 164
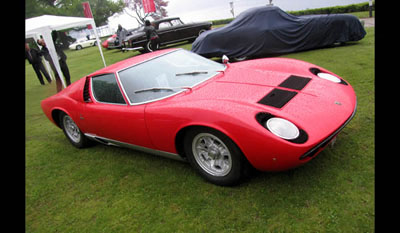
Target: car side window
164, 25
176, 22
105, 89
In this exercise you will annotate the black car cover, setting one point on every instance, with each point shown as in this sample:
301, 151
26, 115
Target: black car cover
268, 30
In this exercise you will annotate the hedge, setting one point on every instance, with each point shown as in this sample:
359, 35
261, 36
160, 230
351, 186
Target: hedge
326, 10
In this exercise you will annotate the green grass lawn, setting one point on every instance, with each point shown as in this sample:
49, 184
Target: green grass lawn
110, 189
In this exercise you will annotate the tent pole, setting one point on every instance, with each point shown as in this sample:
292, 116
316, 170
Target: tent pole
46, 63
53, 54
98, 42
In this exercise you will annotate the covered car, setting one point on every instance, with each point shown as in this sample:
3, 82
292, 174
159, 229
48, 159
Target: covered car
268, 30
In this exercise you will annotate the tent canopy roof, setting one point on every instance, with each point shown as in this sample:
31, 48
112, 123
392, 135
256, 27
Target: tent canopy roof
46, 23
51, 22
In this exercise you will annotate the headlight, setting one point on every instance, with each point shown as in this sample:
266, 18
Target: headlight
329, 77
282, 128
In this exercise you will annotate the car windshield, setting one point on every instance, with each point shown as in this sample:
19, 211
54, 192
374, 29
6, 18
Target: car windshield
166, 75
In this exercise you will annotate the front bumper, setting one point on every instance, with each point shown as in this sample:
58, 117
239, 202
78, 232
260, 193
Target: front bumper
325, 142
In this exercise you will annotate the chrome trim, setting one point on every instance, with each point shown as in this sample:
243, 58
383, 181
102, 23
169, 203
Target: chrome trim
179, 40
111, 142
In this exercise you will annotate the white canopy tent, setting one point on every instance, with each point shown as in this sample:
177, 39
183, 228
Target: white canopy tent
45, 24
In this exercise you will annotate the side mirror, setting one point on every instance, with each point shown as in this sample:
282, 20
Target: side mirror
225, 59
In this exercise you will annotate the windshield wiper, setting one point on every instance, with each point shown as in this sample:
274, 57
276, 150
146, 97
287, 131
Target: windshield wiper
156, 89
192, 73
198, 72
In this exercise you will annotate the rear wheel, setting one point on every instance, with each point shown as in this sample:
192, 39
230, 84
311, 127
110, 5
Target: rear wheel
201, 31
72, 132
215, 156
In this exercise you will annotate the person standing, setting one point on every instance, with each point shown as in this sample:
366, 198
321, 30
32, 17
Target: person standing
46, 54
153, 41
34, 58
121, 35
61, 60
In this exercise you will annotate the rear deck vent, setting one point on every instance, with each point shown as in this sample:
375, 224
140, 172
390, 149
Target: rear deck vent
277, 98
295, 82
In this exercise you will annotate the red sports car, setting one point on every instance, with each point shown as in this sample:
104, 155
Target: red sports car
273, 113
110, 40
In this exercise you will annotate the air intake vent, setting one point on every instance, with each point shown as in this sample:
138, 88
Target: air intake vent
295, 82
86, 95
277, 98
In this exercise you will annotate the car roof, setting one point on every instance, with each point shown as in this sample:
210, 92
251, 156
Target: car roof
165, 19
131, 61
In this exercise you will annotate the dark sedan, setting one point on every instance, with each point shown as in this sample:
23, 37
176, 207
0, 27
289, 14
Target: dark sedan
169, 30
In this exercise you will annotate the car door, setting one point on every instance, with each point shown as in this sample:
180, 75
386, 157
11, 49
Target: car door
86, 43
181, 30
166, 32
108, 116
80, 42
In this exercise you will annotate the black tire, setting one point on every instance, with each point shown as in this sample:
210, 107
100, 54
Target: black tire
78, 47
233, 161
72, 132
149, 47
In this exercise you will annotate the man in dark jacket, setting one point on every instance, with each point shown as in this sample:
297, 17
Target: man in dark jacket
152, 37
61, 60
34, 58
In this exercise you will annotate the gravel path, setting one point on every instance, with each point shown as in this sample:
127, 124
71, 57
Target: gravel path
368, 22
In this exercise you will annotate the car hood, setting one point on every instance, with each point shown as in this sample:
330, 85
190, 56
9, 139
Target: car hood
320, 106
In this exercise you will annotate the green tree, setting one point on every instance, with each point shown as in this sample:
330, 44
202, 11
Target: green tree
137, 7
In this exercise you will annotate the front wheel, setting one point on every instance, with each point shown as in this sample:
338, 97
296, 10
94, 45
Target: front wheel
72, 132
215, 156
152, 46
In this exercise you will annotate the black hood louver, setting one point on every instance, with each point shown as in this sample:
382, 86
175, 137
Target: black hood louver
279, 97
295, 82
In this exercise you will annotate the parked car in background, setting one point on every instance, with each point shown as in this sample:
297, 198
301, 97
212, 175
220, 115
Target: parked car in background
112, 42
169, 30
268, 30
82, 43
